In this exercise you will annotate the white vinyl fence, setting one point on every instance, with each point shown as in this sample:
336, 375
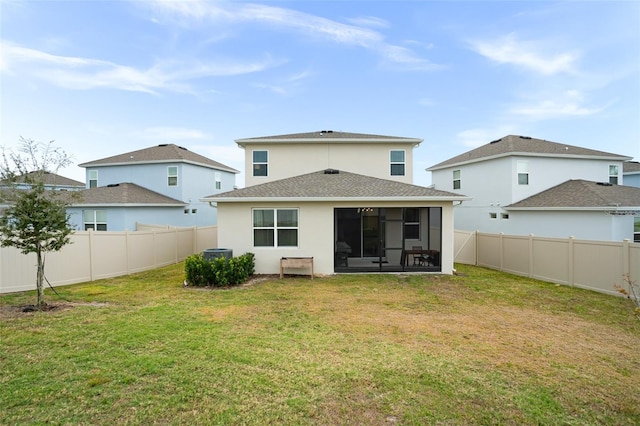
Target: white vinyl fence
593, 265
95, 255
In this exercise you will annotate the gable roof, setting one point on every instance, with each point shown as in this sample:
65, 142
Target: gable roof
160, 154
525, 146
328, 136
123, 194
582, 195
334, 185
631, 167
51, 179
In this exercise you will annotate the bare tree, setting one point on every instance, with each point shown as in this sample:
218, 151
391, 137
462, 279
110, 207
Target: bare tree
35, 218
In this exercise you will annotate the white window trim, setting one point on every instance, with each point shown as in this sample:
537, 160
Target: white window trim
616, 176
404, 162
170, 176
253, 163
96, 179
522, 168
94, 222
459, 179
275, 228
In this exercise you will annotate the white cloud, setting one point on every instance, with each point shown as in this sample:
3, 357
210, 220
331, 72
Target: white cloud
529, 55
187, 12
369, 21
86, 73
570, 103
473, 138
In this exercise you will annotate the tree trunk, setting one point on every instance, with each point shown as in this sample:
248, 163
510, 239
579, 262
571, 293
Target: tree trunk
40, 279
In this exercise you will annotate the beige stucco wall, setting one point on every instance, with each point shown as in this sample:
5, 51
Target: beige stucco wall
287, 160
316, 233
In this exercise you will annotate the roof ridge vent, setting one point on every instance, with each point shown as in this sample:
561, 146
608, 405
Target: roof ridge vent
525, 137
164, 144
496, 141
331, 172
604, 183
113, 185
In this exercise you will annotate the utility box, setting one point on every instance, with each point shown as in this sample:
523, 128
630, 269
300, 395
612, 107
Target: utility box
210, 254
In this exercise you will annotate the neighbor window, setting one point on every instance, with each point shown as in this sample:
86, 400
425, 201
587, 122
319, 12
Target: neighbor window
93, 178
636, 229
523, 172
275, 227
260, 163
456, 179
613, 174
493, 215
95, 219
397, 162
505, 215
412, 223
172, 175
218, 180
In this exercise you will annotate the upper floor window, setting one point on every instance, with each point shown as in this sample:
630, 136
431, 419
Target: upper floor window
523, 172
636, 229
93, 178
397, 162
172, 175
260, 163
613, 174
275, 227
218, 178
95, 219
457, 184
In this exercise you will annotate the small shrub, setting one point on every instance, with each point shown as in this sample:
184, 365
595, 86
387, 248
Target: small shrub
220, 271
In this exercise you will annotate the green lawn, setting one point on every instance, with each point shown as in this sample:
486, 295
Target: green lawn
480, 348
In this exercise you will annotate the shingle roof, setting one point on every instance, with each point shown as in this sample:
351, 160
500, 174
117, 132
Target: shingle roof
158, 154
631, 167
526, 146
328, 136
123, 194
582, 194
334, 185
52, 179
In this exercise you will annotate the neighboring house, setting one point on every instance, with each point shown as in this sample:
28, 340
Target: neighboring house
521, 185
631, 173
167, 169
347, 203
121, 206
52, 181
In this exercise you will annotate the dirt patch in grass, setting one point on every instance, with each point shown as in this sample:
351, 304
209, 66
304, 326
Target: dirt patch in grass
13, 311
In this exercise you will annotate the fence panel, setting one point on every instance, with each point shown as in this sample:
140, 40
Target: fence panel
465, 247
95, 255
593, 265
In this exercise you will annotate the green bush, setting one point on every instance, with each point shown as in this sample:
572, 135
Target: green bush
220, 271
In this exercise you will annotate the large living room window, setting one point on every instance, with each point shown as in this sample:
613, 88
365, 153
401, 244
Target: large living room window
95, 219
397, 162
260, 163
275, 227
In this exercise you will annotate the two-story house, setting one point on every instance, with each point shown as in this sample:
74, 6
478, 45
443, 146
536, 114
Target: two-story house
521, 185
160, 185
345, 199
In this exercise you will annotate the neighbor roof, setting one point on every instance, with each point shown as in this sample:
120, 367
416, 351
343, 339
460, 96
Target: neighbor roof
159, 154
631, 167
526, 146
582, 195
53, 179
333, 185
123, 194
328, 136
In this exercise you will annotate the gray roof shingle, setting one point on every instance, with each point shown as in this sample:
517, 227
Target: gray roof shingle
631, 167
524, 145
328, 136
123, 194
581, 194
334, 185
157, 154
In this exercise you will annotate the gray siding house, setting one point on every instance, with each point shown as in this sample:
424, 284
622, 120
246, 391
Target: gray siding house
170, 171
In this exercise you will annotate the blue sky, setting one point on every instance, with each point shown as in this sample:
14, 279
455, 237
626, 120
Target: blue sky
106, 77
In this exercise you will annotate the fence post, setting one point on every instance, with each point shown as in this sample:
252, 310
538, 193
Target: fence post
91, 254
531, 263
626, 257
502, 251
571, 262
126, 250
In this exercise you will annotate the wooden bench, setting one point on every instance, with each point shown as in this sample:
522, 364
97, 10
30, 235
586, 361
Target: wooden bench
297, 263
